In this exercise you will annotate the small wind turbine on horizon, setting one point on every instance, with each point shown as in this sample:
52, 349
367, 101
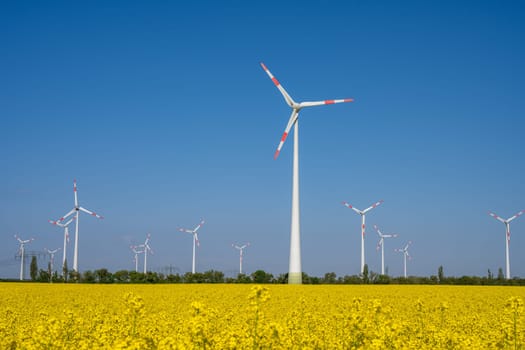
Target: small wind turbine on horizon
363, 214
381, 244
295, 269
507, 237
241, 252
136, 256
66, 237
76, 210
195, 240
52, 258
21, 250
405, 255
147, 248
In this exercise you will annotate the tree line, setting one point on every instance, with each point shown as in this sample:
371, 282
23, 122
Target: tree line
104, 276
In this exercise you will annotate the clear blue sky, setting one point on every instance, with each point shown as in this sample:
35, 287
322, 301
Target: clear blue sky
162, 113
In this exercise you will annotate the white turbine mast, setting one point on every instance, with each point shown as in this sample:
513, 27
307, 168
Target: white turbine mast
363, 215
507, 237
76, 210
241, 253
195, 240
295, 270
66, 237
21, 251
405, 255
136, 256
147, 249
381, 243
52, 258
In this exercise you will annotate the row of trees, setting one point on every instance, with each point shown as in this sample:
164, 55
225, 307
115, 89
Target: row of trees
259, 276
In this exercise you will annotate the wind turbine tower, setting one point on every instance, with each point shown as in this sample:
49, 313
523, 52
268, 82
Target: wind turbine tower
147, 248
76, 210
507, 237
241, 253
195, 241
295, 269
21, 250
405, 255
52, 257
381, 244
136, 256
66, 237
363, 215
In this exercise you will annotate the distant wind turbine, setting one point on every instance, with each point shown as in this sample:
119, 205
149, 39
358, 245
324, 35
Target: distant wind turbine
147, 248
405, 255
195, 240
52, 258
381, 244
363, 214
507, 237
21, 250
76, 210
241, 252
136, 256
66, 237
295, 270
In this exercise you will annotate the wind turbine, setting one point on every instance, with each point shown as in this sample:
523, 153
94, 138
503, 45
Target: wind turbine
21, 250
241, 251
76, 210
195, 240
381, 244
507, 239
295, 270
405, 255
363, 214
66, 236
147, 248
52, 254
136, 256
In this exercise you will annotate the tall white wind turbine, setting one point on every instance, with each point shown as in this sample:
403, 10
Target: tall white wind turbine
363, 214
295, 270
507, 237
21, 250
195, 241
66, 236
52, 257
76, 210
405, 255
241, 253
147, 249
381, 244
136, 256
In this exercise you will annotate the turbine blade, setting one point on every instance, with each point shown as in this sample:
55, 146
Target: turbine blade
196, 239
287, 97
515, 216
325, 102
91, 213
378, 231
75, 192
496, 217
351, 207
198, 226
65, 216
291, 121
372, 206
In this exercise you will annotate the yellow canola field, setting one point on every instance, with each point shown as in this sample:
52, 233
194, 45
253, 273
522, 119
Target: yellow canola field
178, 316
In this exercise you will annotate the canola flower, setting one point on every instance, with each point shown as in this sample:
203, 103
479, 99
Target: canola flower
40, 316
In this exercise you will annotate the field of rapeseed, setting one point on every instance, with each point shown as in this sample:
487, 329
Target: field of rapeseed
38, 316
